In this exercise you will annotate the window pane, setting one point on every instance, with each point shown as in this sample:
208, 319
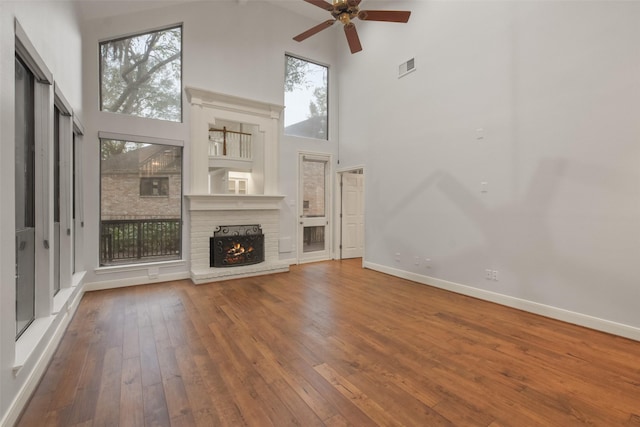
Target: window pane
140, 202
24, 196
313, 191
142, 75
305, 98
56, 200
313, 239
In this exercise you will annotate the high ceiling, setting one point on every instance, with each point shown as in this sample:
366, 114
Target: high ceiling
92, 9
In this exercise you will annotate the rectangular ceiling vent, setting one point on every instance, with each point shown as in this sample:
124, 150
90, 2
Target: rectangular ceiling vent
407, 67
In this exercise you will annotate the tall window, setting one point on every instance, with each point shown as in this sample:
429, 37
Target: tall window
56, 199
305, 98
141, 75
25, 197
135, 227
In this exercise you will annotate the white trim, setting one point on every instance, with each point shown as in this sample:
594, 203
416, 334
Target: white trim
61, 102
28, 53
140, 139
337, 251
227, 202
78, 127
345, 169
328, 218
36, 373
573, 317
223, 101
141, 33
134, 281
138, 267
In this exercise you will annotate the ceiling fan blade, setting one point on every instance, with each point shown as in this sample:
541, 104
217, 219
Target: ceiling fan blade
314, 30
353, 3
352, 37
321, 4
384, 15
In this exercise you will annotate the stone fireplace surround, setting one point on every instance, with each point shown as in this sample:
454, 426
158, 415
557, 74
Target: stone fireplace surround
209, 211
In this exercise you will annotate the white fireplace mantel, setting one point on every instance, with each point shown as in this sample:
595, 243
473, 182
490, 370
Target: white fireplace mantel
233, 202
207, 108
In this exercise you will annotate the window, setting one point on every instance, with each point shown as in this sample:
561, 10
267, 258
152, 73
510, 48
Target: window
141, 75
56, 199
25, 197
136, 224
238, 185
305, 98
154, 187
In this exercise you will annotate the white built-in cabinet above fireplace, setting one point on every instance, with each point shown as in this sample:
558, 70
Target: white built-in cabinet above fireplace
234, 144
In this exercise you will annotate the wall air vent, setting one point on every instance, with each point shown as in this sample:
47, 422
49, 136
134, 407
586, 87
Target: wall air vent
407, 67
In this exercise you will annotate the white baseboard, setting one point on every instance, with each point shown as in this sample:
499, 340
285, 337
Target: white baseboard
575, 318
135, 281
35, 375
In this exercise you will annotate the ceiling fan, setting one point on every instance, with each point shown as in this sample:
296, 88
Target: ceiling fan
345, 11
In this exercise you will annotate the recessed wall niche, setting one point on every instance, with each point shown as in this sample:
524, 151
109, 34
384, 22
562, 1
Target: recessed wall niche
236, 158
231, 136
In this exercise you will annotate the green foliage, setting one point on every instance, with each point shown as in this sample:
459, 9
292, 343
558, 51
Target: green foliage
112, 147
296, 70
141, 75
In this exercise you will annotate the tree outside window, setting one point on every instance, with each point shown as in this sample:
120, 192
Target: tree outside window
305, 98
141, 75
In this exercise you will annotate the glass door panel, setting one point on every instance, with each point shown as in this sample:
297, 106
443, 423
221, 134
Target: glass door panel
314, 218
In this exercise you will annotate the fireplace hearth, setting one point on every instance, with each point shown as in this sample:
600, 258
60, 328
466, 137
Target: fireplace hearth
236, 245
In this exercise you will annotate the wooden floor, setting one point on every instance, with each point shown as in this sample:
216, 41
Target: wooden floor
328, 344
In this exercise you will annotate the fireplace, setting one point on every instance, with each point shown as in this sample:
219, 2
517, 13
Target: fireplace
211, 206
236, 245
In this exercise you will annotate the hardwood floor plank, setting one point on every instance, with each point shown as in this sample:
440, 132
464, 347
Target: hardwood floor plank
328, 344
156, 412
356, 396
107, 411
131, 402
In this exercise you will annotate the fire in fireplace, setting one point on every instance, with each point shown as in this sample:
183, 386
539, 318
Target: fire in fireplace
236, 245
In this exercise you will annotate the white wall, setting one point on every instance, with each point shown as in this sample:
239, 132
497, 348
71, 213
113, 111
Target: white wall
555, 88
53, 29
228, 47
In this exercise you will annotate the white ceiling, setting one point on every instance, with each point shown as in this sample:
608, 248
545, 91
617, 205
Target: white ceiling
92, 9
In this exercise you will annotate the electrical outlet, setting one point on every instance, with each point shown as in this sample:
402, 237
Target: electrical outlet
397, 256
488, 274
494, 275
416, 260
427, 262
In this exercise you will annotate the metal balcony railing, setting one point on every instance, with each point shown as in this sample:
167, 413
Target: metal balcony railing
141, 240
230, 144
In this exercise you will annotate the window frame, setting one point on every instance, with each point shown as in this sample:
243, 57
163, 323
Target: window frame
160, 179
328, 97
179, 25
141, 140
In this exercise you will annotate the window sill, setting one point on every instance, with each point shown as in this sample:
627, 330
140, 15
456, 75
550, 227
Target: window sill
65, 295
39, 328
29, 340
139, 267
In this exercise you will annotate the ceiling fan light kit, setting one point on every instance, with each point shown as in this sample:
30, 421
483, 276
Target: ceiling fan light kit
347, 10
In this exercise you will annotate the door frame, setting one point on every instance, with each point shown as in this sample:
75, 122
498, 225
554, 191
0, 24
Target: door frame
328, 253
338, 208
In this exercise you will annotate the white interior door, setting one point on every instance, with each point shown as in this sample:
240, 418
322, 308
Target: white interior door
352, 215
313, 230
